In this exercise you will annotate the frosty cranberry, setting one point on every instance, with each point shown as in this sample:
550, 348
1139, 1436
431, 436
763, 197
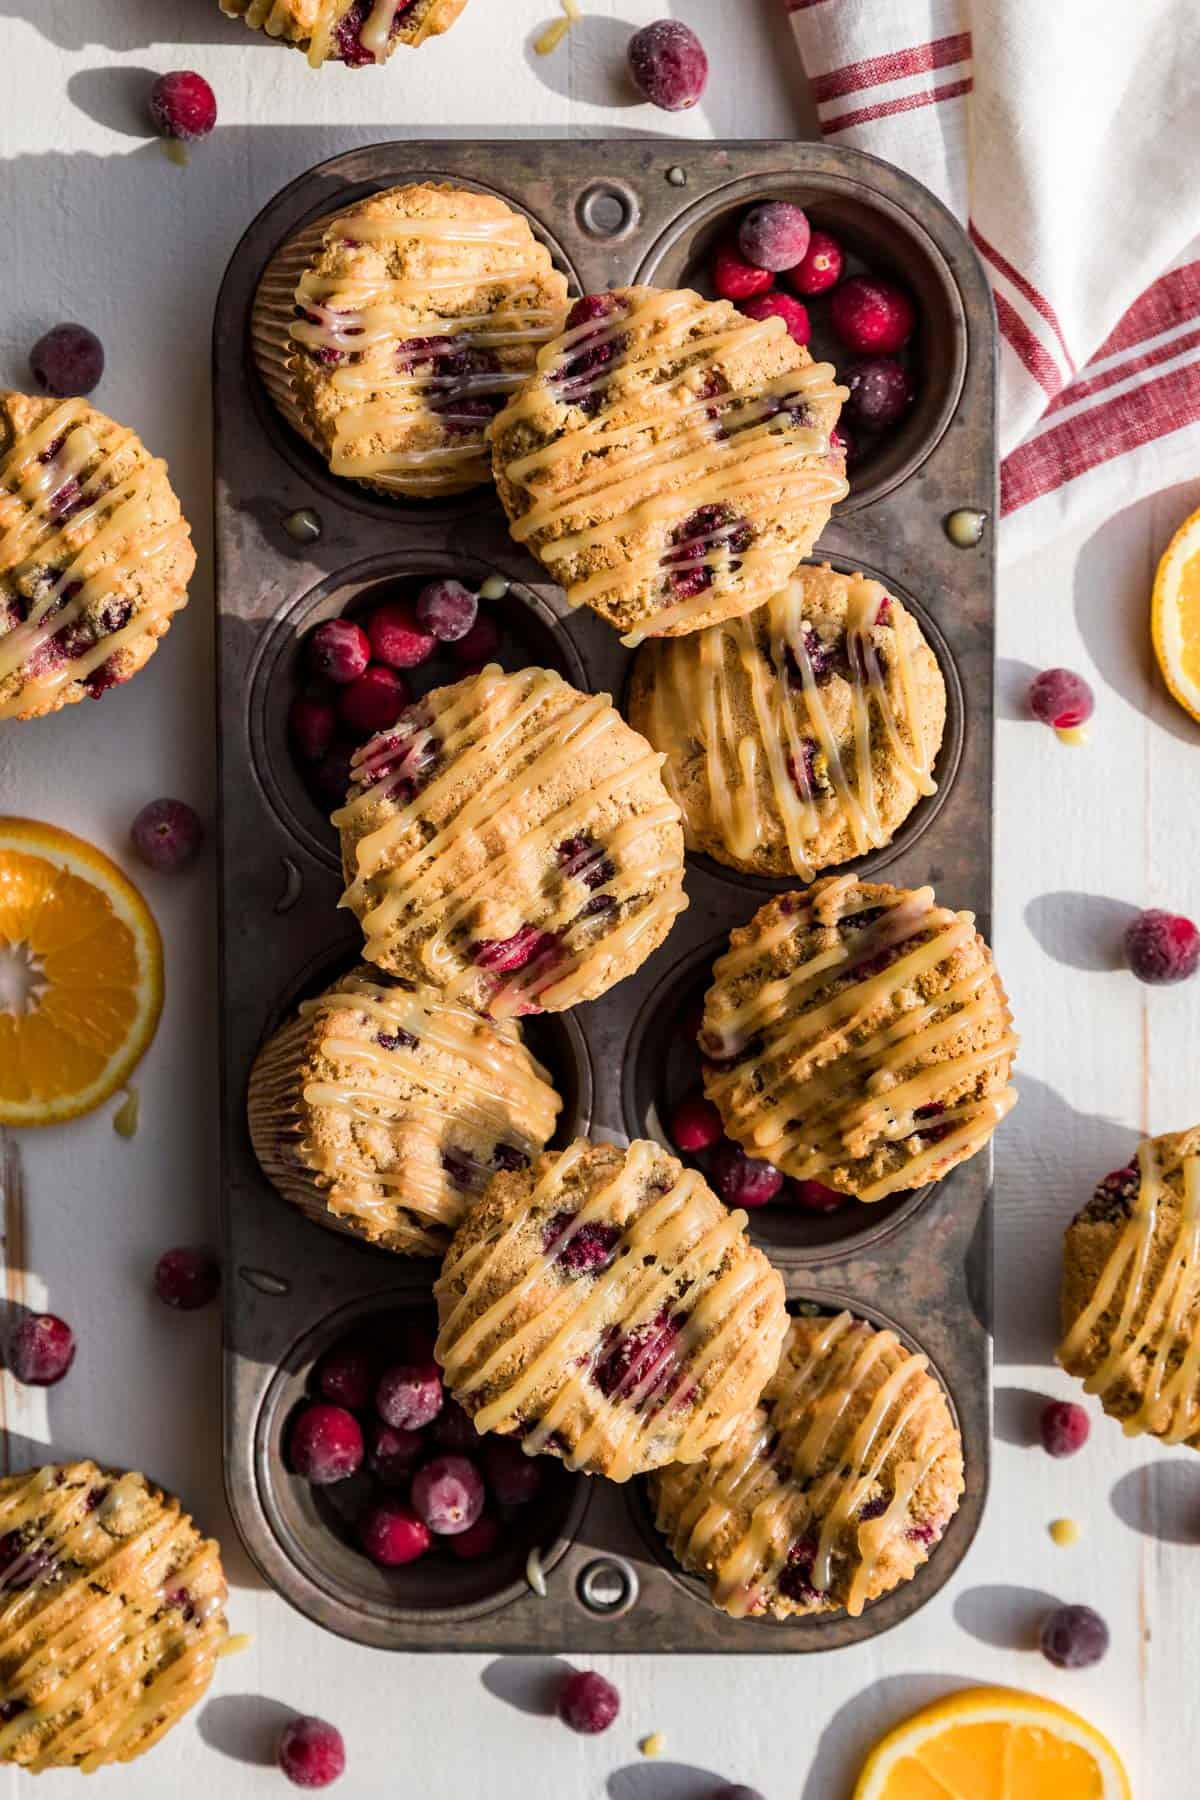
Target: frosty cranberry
1060, 698
448, 1495
330, 780
311, 725
183, 106
480, 645
815, 1197
397, 637
881, 392
187, 1279
820, 268
478, 1540
502, 956
167, 835
743, 1180
410, 1394
1073, 1637
391, 1534
513, 1478
447, 609
736, 279
588, 1703
67, 360
373, 702
40, 1349
345, 1375
393, 1453
311, 1752
454, 1429
1162, 947
871, 316
1064, 1428
325, 1444
668, 64
781, 306
774, 236
695, 1124
339, 650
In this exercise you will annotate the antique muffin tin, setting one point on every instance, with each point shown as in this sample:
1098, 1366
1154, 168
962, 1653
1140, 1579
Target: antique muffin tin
612, 213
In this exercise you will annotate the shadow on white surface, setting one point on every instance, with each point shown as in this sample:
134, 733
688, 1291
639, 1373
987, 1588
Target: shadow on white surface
1006, 1618
1160, 1500
1083, 931
657, 1780
115, 98
134, 25
590, 64
862, 1721
530, 1683
1012, 690
1018, 1413
246, 1727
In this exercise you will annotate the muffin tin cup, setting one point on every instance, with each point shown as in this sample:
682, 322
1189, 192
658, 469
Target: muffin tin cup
923, 1259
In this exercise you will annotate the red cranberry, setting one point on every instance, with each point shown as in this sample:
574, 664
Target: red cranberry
513, 1477
871, 316
774, 236
781, 306
743, 1180
393, 1452
820, 268
881, 392
410, 1394
453, 1429
419, 1340
814, 1196
187, 1279
182, 105
325, 1444
311, 725
391, 1534
480, 645
1162, 947
311, 1752
695, 1124
1060, 698
736, 279
668, 64
344, 1375
476, 1541
588, 1703
40, 1349
167, 835
373, 702
1074, 1637
448, 1495
67, 360
339, 650
447, 609
397, 636
1064, 1428
640, 1358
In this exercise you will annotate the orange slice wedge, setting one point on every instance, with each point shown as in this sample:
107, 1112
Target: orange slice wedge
994, 1743
1175, 615
81, 981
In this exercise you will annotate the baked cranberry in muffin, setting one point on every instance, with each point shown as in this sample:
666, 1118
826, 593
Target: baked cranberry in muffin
358, 33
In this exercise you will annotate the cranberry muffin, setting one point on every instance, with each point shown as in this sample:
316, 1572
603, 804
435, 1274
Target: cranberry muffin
510, 841
95, 554
857, 1034
358, 33
832, 1491
1131, 1292
801, 734
605, 1307
390, 334
384, 1111
111, 1616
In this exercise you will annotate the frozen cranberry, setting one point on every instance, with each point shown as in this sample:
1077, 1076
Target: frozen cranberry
339, 650
774, 236
1074, 1637
480, 645
311, 1752
187, 1279
1162, 947
453, 1429
814, 1196
668, 64
781, 306
311, 725
391, 1534
325, 1444
588, 1703
695, 1124
40, 1349
397, 637
167, 835
872, 317
345, 1376
373, 702
820, 268
743, 1180
478, 1540
447, 609
410, 1394
393, 1453
182, 105
881, 392
330, 780
448, 1495
67, 360
1064, 1428
1060, 698
513, 1477
736, 279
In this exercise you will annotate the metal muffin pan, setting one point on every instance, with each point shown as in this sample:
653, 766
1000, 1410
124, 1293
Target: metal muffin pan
920, 1262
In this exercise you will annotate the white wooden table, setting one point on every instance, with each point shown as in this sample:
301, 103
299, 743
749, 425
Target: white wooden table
100, 226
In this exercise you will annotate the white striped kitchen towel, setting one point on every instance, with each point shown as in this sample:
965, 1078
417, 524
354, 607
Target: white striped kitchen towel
1066, 134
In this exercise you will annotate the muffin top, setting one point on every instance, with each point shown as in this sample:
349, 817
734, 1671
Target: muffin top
95, 554
857, 1034
399, 1106
355, 32
604, 1306
801, 734
832, 1490
510, 841
111, 1616
670, 462
1131, 1291
416, 313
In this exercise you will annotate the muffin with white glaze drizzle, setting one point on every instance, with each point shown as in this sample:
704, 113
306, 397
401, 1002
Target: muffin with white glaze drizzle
359, 33
384, 1111
832, 1491
857, 1034
605, 1307
111, 1616
510, 841
95, 554
670, 463
801, 734
390, 334
1131, 1292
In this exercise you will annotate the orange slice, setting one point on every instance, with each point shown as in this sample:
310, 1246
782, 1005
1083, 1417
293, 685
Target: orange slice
1175, 615
80, 975
992, 1743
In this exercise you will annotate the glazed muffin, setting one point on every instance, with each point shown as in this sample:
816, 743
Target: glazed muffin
390, 334
605, 1307
801, 734
832, 1491
670, 463
355, 32
384, 1111
1131, 1293
95, 555
857, 1034
111, 1616
510, 842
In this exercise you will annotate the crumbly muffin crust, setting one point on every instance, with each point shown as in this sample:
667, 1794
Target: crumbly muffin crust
857, 1034
385, 1111
95, 555
1131, 1292
355, 32
801, 734
510, 841
111, 1616
605, 1307
832, 1491
390, 334
670, 462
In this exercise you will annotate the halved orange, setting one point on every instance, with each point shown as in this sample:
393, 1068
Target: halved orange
81, 981
1175, 615
994, 1743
